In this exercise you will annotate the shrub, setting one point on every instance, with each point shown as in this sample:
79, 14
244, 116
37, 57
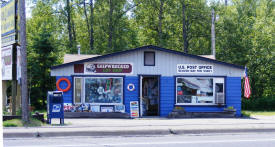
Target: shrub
13, 123
19, 123
259, 104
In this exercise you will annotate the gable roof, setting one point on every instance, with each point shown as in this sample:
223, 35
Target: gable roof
149, 47
75, 57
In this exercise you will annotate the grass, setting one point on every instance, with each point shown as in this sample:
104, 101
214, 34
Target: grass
262, 113
13, 123
19, 123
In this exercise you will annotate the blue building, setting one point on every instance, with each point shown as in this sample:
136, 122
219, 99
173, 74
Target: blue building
154, 79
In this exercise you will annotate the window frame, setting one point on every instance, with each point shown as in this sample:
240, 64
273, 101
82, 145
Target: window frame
144, 55
82, 87
214, 91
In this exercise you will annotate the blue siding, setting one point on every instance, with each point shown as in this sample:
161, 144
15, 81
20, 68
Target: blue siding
167, 95
130, 95
233, 93
67, 96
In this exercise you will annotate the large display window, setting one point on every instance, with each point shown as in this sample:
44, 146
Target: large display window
199, 90
98, 90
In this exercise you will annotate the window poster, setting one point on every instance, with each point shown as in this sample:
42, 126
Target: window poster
134, 109
95, 108
104, 90
120, 108
107, 108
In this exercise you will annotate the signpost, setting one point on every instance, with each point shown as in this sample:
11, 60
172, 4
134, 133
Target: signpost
134, 110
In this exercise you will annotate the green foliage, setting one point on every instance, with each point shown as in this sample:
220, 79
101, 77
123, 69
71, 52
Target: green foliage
13, 123
19, 123
246, 114
43, 52
244, 35
259, 104
262, 113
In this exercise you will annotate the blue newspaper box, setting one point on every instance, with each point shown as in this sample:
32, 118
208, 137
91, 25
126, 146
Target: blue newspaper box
55, 106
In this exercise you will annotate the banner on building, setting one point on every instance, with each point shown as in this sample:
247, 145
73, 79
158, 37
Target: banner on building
194, 68
108, 68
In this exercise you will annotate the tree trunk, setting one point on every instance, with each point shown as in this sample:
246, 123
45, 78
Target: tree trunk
225, 2
74, 34
24, 87
111, 28
92, 28
184, 28
160, 40
86, 16
213, 44
68, 9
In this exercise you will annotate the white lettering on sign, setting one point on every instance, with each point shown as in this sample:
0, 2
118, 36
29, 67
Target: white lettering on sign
194, 68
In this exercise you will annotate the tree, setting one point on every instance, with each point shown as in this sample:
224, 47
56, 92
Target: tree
24, 78
92, 24
244, 34
43, 52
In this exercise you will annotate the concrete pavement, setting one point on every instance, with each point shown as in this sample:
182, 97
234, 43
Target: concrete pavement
145, 126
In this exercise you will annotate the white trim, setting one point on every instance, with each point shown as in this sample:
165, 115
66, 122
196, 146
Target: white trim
75, 92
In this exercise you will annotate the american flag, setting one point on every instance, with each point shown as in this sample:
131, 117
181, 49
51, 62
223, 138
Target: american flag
247, 90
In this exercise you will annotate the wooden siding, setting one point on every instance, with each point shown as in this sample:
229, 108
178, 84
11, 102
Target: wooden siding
130, 95
165, 64
67, 96
167, 95
233, 93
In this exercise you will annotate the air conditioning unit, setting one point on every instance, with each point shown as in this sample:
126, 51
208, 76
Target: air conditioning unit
220, 98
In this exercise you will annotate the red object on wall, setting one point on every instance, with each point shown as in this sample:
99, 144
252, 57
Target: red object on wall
180, 93
68, 83
78, 68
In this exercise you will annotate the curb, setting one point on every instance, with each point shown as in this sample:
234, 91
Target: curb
130, 132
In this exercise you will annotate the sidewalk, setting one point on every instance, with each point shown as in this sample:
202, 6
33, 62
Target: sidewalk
145, 126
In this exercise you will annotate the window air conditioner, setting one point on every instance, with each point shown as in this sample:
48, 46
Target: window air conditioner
220, 98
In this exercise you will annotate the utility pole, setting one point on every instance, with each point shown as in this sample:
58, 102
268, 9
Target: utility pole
24, 87
213, 44
14, 64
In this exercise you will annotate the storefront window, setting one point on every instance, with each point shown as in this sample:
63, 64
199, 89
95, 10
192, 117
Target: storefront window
198, 90
103, 90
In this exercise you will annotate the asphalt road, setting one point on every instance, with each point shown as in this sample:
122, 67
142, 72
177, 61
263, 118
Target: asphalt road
196, 140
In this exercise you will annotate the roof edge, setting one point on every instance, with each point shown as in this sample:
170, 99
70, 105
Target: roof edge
150, 47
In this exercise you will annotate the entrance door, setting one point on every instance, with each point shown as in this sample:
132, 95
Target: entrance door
149, 95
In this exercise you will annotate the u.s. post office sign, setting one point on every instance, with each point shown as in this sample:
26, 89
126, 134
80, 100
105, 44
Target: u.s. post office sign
194, 68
